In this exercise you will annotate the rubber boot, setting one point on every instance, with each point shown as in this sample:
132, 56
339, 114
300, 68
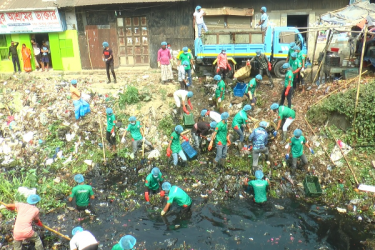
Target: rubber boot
214, 164
284, 136
240, 146
222, 162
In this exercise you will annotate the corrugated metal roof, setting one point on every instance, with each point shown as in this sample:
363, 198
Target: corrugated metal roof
43, 4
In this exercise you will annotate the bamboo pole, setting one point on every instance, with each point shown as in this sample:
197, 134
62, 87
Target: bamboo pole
355, 178
312, 62
329, 38
101, 134
359, 80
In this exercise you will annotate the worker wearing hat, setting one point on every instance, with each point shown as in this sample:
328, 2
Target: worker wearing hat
182, 75
198, 19
219, 93
301, 75
201, 130
240, 120
81, 107
223, 66
83, 240
284, 113
259, 139
296, 147
296, 65
109, 61
251, 87
288, 85
214, 116
137, 134
82, 193
186, 56
181, 96
174, 193
221, 138
174, 146
290, 51
153, 184
164, 63
26, 215
259, 186
263, 21
263, 64
127, 242
110, 133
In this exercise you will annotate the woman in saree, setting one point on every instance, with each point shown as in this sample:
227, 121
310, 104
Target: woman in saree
26, 56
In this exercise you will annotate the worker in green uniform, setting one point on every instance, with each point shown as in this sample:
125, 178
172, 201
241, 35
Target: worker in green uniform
283, 113
296, 65
219, 93
288, 85
187, 57
221, 138
174, 146
82, 192
296, 147
178, 195
239, 121
110, 134
259, 187
290, 51
137, 135
153, 184
301, 75
127, 242
251, 89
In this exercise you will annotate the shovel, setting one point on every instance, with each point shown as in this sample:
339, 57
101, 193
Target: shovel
101, 133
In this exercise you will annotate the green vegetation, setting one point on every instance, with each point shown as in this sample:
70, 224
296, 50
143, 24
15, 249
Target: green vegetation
166, 125
130, 96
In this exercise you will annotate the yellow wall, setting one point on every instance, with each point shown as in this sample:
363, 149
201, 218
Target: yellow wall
71, 63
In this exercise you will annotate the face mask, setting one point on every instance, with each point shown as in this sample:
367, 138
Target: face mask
132, 123
223, 52
185, 53
104, 47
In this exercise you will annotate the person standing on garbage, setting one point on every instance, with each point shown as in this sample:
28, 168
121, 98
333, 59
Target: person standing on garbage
178, 195
164, 63
137, 135
223, 67
174, 146
296, 65
296, 147
259, 139
26, 215
110, 133
239, 121
127, 242
187, 57
200, 131
219, 93
107, 57
81, 107
288, 85
183, 95
153, 184
263, 65
302, 57
214, 116
182, 75
251, 87
82, 193
198, 19
259, 186
13, 51
290, 51
283, 113
221, 138
83, 240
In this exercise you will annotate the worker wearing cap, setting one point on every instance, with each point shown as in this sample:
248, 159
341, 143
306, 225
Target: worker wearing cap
110, 133
283, 113
174, 146
263, 22
127, 242
182, 75
259, 186
153, 184
82, 192
198, 19
302, 57
164, 63
259, 139
296, 147
251, 87
290, 51
83, 240
137, 135
223, 67
184, 96
263, 63
219, 93
240, 120
26, 215
81, 107
187, 57
109, 61
221, 138
214, 116
296, 65
178, 195
288, 85
200, 131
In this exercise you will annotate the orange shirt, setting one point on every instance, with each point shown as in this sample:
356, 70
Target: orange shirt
26, 214
76, 95
222, 61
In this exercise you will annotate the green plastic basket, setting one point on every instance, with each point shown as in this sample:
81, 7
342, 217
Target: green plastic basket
312, 186
188, 120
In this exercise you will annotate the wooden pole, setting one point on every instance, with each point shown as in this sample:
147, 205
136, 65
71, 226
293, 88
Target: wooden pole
329, 38
88, 47
313, 58
101, 134
337, 143
359, 80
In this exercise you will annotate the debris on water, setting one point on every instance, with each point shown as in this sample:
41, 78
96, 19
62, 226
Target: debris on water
355, 201
359, 218
279, 207
341, 210
251, 239
204, 195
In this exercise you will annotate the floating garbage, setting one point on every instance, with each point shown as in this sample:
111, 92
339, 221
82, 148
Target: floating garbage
341, 210
26, 191
279, 207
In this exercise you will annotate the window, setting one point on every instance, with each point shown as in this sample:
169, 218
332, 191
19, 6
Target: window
287, 37
3, 48
66, 48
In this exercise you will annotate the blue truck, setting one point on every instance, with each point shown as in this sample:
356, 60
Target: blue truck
242, 45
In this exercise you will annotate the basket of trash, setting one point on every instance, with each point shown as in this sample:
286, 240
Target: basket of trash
243, 72
188, 149
240, 89
312, 186
188, 120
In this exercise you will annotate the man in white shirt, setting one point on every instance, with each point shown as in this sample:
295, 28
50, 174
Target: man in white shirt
198, 19
183, 95
263, 22
214, 116
37, 55
83, 240
181, 75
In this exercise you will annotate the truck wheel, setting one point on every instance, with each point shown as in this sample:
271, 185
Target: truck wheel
278, 70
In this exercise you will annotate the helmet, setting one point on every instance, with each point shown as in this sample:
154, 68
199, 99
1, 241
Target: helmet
292, 44
76, 230
166, 186
79, 178
213, 125
224, 116
274, 106
286, 65
264, 9
297, 47
297, 132
33, 199
164, 44
108, 111
179, 129
105, 44
73, 82
263, 124
132, 119
258, 52
203, 112
294, 54
155, 172
259, 174
185, 49
259, 77
198, 7
190, 94
127, 242
217, 78
247, 107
